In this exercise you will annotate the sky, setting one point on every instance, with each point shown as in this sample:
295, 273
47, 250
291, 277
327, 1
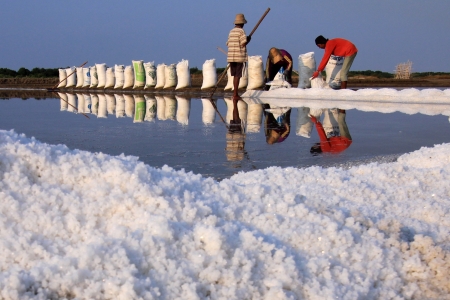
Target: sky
56, 34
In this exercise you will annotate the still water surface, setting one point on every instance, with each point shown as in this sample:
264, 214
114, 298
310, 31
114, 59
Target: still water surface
186, 133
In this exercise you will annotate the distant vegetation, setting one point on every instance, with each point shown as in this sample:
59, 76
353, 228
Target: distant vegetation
424, 74
23, 72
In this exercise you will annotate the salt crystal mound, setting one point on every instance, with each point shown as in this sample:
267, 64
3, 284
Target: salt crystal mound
75, 224
408, 101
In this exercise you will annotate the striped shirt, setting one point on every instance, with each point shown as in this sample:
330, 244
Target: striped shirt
237, 50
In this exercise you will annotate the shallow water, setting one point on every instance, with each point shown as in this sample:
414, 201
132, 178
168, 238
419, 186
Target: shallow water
175, 134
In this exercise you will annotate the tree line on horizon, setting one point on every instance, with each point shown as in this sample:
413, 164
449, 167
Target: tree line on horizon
53, 72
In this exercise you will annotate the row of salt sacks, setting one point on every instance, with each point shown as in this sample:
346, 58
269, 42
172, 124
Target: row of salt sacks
242, 82
255, 72
150, 75
209, 74
306, 68
119, 76
333, 70
139, 73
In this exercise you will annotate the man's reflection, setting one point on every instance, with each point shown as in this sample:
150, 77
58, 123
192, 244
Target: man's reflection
334, 134
235, 137
277, 123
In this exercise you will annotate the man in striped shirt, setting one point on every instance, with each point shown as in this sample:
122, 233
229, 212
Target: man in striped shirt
237, 53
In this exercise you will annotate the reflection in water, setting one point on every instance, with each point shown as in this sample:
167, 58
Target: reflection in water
277, 123
87, 103
254, 117
120, 105
170, 108
333, 133
110, 104
160, 108
72, 100
150, 108
80, 100
102, 112
129, 105
208, 111
63, 101
94, 106
183, 110
235, 149
139, 108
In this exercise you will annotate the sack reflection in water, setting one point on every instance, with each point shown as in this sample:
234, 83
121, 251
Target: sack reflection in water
139, 108
63, 101
183, 110
208, 112
80, 101
87, 103
150, 108
160, 108
242, 108
110, 104
120, 105
72, 100
94, 106
171, 107
102, 112
129, 105
254, 117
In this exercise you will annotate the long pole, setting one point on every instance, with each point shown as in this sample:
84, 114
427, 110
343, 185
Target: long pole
68, 76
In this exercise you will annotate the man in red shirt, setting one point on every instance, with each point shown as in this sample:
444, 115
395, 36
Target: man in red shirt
337, 47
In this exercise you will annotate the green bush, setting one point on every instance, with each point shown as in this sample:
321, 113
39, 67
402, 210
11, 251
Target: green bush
378, 74
24, 72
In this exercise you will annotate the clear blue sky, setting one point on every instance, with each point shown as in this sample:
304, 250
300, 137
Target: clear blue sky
53, 34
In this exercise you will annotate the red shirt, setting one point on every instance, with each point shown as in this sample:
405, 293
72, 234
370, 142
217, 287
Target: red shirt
337, 47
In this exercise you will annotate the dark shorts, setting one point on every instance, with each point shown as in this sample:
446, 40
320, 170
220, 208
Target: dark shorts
236, 69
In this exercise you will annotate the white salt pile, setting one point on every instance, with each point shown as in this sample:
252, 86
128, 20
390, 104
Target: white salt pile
82, 225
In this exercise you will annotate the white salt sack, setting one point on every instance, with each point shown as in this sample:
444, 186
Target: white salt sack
128, 75
87, 103
150, 108
333, 70
254, 117
80, 78
209, 74
170, 76
139, 109
160, 108
150, 74
160, 75
94, 106
86, 77
318, 83
139, 73
170, 108
119, 76
62, 78
110, 104
71, 77
306, 68
183, 74
94, 76
63, 101
102, 111
110, 78
304, 124
208, 111
183, 110
120, 105
255, 72
101, 73
129, 105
